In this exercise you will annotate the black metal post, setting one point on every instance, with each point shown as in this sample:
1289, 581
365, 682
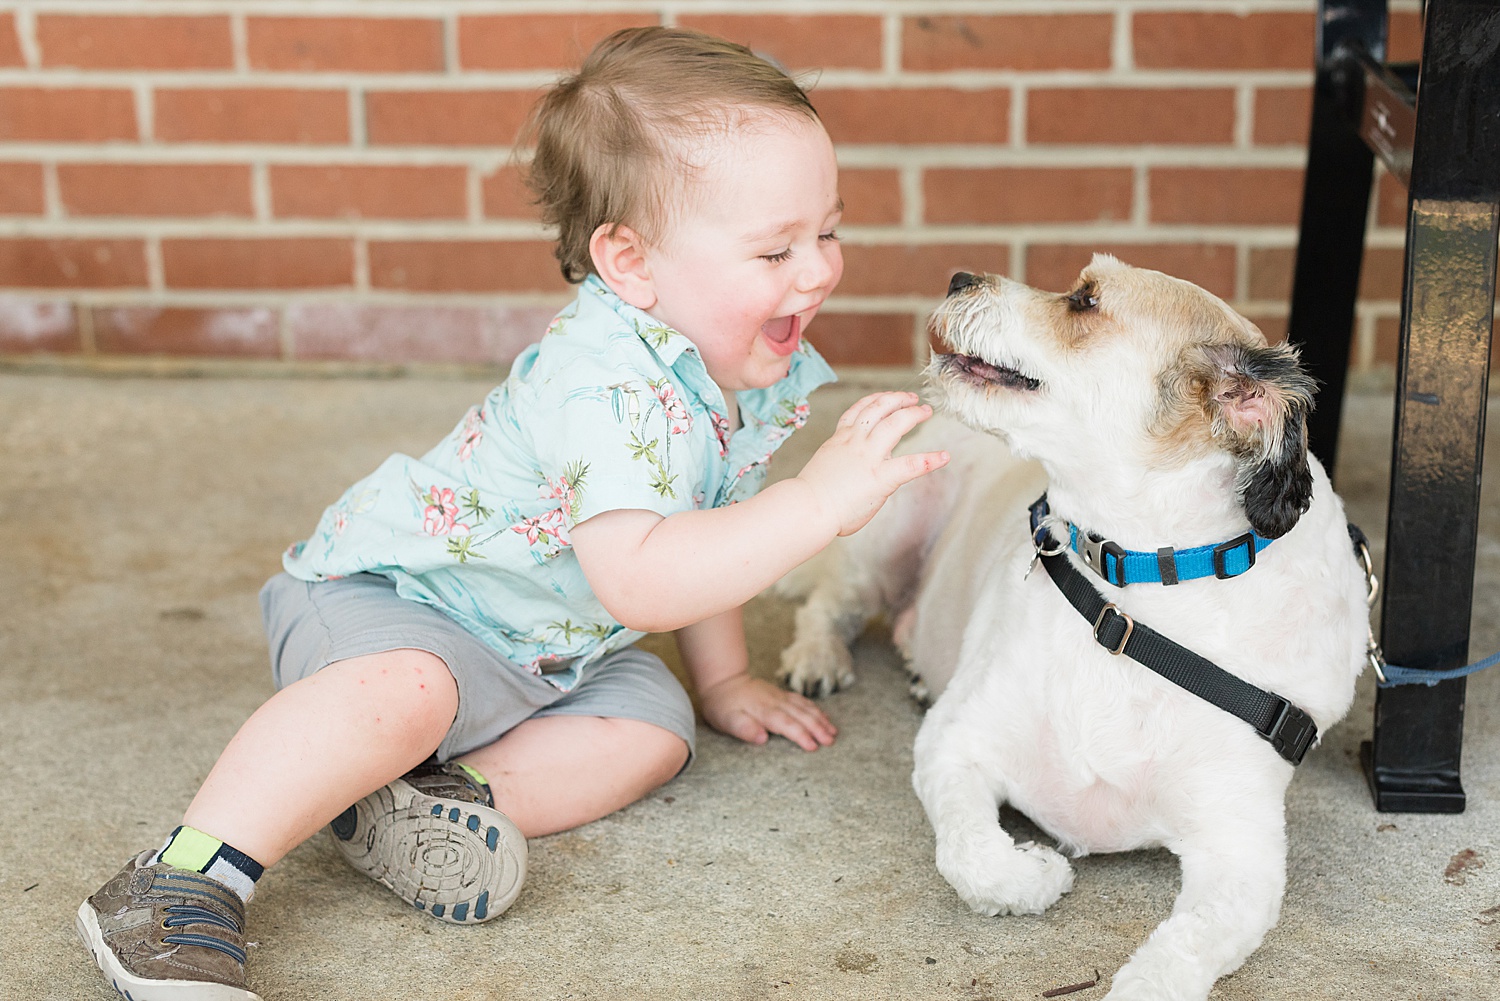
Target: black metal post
1442, 377
1335, 203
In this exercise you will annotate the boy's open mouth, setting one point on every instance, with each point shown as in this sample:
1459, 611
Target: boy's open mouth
783, 333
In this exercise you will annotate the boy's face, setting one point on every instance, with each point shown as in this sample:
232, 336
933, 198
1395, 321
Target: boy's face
746, 263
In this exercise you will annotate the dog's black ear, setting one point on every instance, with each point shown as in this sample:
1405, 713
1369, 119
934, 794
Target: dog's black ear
1259, 401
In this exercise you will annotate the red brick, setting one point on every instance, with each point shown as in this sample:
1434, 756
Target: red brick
64, 114
1271, 274
37, 325
917, 268
10, 42
352, 44
1129, 116
863, 338
1283, 116
252, 115
465, 266
1272, 325
21, 189
1390, 202
145, 42
34, 262
1008, 41
1380, 273
1251, 196
1056, 266
258, 263
536, 41
369, 192
150, 330
155, 189
1404, 43
871, 197
446, 117
464, 334
1028, 194
1195, 40
505, 195
799, 41
917, 115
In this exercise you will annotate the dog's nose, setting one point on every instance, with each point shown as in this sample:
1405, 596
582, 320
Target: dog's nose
961, 281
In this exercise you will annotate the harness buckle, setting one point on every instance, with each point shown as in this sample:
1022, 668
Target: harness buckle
1100, 625
1292, 733
1094, 549
1222, 552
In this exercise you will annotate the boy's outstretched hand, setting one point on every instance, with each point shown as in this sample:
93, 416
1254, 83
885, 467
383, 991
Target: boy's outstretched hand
752, 709
853, 472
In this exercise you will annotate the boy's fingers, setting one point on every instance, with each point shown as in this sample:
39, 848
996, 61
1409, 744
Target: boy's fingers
874, 408
848, 417
909, 467
897, 424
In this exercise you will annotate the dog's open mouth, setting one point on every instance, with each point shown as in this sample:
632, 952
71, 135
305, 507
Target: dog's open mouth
975, 369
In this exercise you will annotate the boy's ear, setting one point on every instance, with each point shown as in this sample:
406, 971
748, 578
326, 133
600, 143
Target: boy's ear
619, 256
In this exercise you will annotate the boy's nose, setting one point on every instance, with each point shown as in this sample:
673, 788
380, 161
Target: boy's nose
818, 273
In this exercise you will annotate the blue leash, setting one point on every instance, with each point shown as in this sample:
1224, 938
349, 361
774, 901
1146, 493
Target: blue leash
1390, 675
1393, 675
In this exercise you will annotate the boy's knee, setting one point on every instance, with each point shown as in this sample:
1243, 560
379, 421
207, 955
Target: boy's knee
662, 753
410, 690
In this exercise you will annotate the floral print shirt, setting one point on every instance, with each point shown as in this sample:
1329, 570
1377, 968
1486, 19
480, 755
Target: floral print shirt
610, 410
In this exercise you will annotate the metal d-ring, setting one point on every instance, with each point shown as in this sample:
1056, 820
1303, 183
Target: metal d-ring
1044, 529
1372, 583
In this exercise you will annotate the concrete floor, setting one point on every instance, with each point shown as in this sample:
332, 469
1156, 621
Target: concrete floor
138, 517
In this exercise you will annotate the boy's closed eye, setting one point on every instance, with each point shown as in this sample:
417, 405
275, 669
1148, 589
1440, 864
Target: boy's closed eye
786, 255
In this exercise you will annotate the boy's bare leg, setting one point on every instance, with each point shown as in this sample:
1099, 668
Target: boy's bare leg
338, 735
320, 744
553, 773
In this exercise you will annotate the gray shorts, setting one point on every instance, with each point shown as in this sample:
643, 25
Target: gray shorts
310, 626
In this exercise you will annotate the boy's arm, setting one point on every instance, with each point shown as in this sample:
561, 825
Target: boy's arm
659, 574
735, 703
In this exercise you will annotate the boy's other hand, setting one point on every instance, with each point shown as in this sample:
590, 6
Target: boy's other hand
752, 710
853, 472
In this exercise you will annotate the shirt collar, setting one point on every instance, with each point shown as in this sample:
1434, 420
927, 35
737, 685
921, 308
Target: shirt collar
808, 370
660, 338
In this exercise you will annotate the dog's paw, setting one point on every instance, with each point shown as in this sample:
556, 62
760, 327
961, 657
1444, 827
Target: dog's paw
816, 665
1000, 879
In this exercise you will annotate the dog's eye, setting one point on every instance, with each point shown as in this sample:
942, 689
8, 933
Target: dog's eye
1083, 299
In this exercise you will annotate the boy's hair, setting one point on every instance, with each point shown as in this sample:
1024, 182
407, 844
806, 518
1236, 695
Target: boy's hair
610, 139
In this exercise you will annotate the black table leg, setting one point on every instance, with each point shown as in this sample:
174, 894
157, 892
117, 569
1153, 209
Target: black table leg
1442, 380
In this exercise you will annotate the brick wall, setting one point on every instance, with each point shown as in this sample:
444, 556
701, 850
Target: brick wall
293, 181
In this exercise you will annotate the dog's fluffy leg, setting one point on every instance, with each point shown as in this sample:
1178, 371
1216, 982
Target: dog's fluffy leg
840, 604
1233, 877
854, 580
976, 856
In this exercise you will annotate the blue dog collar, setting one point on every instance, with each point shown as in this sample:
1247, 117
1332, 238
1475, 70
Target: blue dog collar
1122, 567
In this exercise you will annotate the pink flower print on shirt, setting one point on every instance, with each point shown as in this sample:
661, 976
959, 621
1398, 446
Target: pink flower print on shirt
441, 516
473, 434
548, 529
678, 419
793, 416
721, 431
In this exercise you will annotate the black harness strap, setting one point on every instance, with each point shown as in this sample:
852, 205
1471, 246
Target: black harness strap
1288, 729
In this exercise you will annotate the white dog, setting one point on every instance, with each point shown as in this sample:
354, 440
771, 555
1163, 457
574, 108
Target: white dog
1153, 416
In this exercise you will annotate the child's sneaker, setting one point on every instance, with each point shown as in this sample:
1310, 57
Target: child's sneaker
160, 933
434, 838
